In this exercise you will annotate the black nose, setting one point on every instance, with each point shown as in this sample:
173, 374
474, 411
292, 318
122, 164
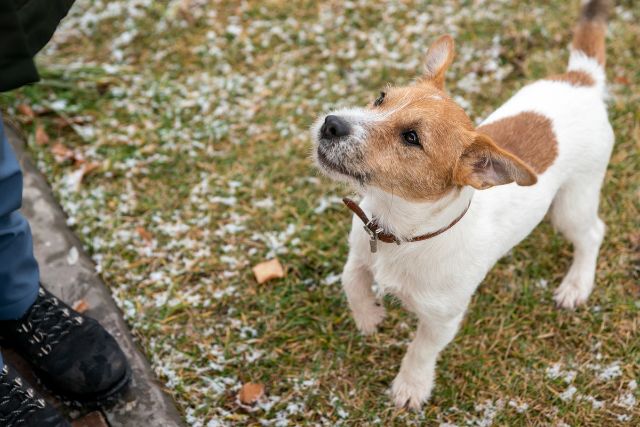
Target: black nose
334, 127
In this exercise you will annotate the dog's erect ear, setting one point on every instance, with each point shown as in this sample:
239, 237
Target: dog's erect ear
439, 57
483, 164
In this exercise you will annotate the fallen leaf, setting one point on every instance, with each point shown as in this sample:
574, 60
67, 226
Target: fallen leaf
74, 179
26, 110
623, 80
63, 122
80, 306
268, 270
144, 234
41, 136
250, 393
87, 168
61, 153
78, 158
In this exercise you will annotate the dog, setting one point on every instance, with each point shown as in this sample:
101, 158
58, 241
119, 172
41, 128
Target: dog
443, 200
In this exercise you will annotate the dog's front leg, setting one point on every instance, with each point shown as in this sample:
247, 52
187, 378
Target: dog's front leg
357, 280
414, 382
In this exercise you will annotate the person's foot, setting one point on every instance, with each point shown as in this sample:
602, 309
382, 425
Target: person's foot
72, 354
20, 406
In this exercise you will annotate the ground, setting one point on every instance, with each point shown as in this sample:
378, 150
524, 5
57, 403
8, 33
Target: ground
176, 138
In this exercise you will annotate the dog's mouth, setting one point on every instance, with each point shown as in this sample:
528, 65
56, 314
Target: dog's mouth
338, 167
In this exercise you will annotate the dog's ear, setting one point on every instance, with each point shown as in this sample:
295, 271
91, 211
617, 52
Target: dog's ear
483, 164
438, 59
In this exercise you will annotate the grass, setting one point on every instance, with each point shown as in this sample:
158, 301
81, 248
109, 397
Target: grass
197, 114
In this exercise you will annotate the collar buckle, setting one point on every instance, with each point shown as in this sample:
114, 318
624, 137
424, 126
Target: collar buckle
374, 235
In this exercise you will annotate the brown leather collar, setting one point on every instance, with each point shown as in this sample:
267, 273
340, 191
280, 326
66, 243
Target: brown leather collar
376, 232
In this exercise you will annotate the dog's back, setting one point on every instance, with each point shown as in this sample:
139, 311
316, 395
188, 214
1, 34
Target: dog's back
559, 126
560, 122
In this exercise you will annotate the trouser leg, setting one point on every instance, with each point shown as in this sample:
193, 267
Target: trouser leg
19, 275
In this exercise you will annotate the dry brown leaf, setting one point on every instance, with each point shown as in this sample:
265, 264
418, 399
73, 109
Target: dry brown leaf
76, 178
89, 167
63, 122
268, 270
250, 393
41, 136
80, 306
78, 158
623, 80
26, 110
61, 153
147, 236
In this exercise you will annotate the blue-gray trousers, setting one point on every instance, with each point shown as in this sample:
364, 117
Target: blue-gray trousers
19, 276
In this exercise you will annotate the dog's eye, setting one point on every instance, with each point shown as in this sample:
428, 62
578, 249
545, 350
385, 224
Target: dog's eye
379, 99
411, 137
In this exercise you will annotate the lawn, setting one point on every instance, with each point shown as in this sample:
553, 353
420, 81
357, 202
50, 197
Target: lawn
175, 136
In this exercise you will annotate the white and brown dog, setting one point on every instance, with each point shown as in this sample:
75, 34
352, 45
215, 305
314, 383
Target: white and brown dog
447, 200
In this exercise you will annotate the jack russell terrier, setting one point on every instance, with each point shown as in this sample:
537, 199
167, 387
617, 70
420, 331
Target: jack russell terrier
442, 201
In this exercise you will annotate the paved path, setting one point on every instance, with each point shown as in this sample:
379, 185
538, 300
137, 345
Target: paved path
145, 404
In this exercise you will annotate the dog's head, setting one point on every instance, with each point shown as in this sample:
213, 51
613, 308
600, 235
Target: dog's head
414, 141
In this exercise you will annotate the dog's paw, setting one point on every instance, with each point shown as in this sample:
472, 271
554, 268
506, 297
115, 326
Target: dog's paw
572, 293
367, 319
411, 394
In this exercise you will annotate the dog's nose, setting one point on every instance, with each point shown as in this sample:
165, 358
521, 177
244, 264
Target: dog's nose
334, 127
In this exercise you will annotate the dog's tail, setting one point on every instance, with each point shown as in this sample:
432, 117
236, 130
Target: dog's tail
588, 45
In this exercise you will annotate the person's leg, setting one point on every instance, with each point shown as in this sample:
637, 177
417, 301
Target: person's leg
19, 284
70, 352
19, 275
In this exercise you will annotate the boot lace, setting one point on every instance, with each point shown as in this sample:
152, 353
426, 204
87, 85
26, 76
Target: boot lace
47, 322
16, 402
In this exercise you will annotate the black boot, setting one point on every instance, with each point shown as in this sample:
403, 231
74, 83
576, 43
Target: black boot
72, 355
20, 406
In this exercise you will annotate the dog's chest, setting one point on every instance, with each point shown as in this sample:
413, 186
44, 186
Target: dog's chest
415, 269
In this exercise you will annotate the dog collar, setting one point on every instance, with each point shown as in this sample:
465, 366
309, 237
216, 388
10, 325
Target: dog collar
376, 232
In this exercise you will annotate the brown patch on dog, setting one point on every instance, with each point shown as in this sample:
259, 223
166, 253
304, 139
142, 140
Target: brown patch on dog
451, 154
574, 78
589, 38
589, 34
527, 135
422, 172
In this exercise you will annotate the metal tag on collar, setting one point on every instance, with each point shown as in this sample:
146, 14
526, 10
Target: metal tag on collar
373, 237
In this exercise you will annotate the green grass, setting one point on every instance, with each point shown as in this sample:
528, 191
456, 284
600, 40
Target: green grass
204, 111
